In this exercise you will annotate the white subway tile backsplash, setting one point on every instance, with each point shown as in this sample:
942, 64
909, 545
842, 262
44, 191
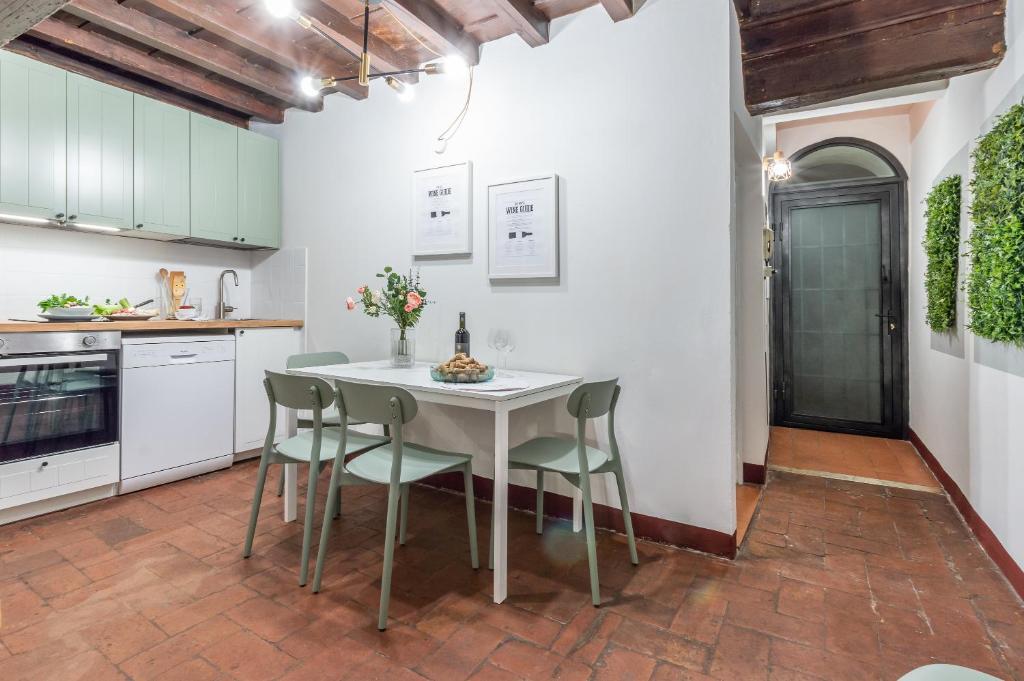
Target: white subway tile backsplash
279, 284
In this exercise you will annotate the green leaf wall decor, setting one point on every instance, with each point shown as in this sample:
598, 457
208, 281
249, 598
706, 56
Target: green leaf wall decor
942, 249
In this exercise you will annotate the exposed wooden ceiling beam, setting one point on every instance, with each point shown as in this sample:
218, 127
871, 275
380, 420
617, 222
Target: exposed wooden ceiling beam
528, 21
52, 57
436, 27
220, 20
833, 61
161, 36
118, 54
383, 57
17, 16
621, 9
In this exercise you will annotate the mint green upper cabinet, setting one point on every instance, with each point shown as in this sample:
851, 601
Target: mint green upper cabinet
161, 167
99, 154
33, 144
214, 179
259, 190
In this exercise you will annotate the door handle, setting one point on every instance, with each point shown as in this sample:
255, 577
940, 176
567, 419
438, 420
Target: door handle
891, 319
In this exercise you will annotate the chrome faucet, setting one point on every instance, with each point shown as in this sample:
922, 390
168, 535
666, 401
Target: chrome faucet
223, 309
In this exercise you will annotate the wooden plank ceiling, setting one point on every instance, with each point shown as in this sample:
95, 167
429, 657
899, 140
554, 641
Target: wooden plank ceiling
799, 53
232, 60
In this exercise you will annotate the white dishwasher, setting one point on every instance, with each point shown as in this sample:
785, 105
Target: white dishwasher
178, 408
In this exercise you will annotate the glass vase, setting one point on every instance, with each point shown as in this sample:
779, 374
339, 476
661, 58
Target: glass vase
403, 347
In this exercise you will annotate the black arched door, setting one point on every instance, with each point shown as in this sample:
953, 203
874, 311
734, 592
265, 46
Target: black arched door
839, 303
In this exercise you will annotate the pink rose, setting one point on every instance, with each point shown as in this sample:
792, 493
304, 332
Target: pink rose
414, 299
350, 304
361, 290
409, 307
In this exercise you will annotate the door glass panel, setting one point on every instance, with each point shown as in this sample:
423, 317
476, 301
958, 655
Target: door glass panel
835, 297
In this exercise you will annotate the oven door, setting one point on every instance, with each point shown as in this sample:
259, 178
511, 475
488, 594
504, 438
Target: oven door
52, 403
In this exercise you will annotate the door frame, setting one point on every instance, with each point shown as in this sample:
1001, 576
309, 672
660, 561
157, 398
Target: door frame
897, 188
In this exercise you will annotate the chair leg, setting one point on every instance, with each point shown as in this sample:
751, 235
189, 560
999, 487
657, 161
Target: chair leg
307, 528
467, 481
627, 519
280, 484
588, 521
261, 479
333, 500
540, 501
337, 505
389, 556
404, 519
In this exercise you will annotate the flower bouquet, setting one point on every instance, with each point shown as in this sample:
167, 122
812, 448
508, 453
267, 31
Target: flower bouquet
402, 298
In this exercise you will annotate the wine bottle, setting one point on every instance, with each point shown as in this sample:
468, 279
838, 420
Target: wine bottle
462, 336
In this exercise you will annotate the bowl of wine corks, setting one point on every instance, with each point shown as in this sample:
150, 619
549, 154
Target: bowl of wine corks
462, 369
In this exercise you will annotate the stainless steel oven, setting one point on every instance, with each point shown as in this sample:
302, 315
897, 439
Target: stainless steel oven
58, 392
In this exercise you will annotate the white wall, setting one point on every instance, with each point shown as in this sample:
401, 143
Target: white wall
748, 274
635, 118
967, 406
36, 262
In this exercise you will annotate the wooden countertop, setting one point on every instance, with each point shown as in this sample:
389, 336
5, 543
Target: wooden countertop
151, 325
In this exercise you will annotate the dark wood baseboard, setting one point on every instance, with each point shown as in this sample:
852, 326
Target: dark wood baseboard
606, 517
986, 537
757, 474
754, 474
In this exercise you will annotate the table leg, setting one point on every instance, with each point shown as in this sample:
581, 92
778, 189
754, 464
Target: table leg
500, 507
291, 477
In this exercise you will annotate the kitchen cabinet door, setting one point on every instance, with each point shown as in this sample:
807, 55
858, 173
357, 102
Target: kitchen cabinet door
259, 190
214, 179
161, 168
99, 154
257, 350
33, 138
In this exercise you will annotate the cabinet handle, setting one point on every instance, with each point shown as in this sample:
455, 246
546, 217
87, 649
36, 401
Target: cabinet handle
138, 226
242, 239
59, 216
44, 464
72, 218
234, 238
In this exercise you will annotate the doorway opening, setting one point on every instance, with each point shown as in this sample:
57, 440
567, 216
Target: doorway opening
839, 295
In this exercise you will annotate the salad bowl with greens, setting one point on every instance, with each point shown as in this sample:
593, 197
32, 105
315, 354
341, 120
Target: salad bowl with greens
63, 306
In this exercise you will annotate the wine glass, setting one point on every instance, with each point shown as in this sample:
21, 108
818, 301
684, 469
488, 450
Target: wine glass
501, 341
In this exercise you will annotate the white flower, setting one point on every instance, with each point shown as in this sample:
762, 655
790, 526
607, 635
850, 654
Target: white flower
378, 296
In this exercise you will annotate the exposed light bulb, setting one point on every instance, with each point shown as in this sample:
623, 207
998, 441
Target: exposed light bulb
405, 92
310, 86
282, 9
455, 65
452, 65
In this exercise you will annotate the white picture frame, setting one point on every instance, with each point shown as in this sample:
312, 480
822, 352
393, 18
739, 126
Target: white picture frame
523, 239
442, 210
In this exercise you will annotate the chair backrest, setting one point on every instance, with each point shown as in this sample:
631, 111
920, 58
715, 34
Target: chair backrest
375, 403
299, 392
316, 359
602, 398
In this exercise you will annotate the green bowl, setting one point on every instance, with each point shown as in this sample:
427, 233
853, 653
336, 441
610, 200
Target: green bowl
479, 377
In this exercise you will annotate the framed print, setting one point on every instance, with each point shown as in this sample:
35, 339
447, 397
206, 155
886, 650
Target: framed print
523, 228
442, 218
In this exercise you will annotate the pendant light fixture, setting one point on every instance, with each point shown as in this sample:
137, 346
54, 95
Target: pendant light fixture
312, 86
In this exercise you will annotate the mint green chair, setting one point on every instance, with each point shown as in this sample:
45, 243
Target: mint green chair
330, 418
396, 464
314, 448
576, 461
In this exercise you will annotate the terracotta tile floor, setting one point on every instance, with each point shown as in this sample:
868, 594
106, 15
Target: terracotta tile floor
747, 497
836, 580
867, 458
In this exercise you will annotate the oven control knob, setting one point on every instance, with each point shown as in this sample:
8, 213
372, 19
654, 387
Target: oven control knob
89, 341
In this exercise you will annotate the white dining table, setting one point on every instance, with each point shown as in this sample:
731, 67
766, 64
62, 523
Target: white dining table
509, 390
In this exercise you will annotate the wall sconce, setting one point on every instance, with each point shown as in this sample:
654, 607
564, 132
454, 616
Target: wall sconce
778, 167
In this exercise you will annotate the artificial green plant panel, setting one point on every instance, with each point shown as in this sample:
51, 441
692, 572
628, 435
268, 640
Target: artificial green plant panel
942, 249
995, 287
